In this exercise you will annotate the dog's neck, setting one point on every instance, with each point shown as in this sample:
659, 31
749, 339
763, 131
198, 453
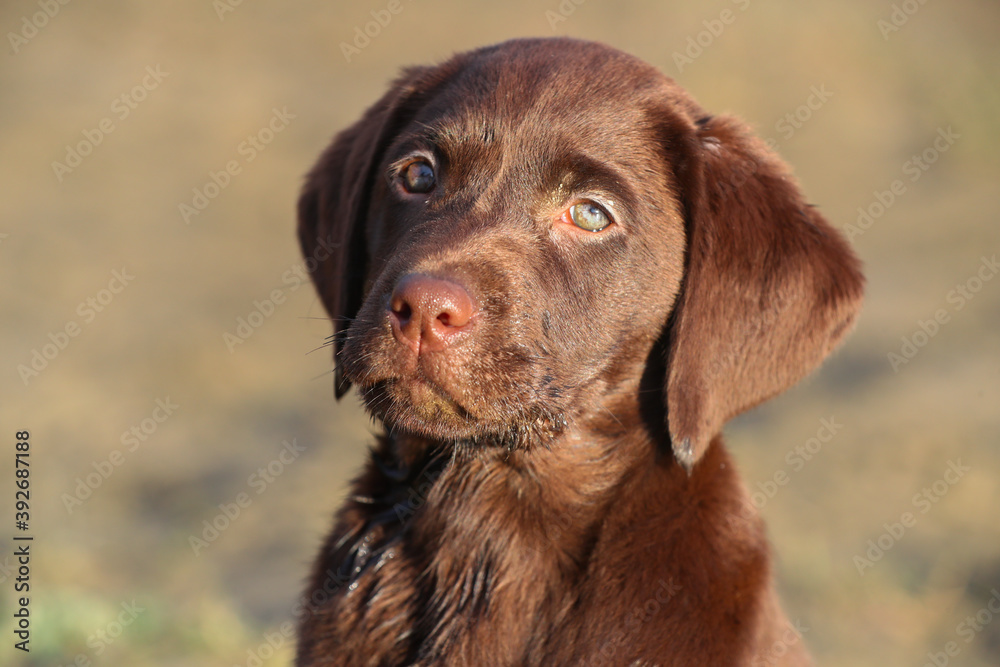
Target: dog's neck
518, 523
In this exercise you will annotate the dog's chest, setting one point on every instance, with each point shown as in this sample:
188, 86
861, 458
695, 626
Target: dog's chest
428, 574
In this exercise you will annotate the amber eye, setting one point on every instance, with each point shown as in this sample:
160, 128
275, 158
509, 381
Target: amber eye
418, 177
589, 216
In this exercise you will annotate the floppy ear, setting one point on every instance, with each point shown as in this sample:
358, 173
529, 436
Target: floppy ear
770, 287
333, 208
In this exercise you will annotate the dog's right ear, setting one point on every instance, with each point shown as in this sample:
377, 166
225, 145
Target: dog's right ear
333, 206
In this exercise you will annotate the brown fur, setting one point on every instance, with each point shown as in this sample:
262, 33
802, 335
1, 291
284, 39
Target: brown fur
552, 488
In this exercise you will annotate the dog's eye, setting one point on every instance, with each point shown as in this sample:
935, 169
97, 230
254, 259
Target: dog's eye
589, 216
418, 177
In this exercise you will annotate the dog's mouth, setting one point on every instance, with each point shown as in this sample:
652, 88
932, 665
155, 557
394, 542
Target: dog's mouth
420, 406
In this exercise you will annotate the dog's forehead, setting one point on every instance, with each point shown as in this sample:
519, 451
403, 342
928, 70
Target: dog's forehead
540, 88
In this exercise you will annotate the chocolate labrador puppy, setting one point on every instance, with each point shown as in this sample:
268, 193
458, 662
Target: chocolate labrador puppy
553, 277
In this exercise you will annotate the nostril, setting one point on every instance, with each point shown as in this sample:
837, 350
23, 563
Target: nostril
455, 311
402, 310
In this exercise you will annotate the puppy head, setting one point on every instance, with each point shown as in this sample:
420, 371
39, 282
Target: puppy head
502, 240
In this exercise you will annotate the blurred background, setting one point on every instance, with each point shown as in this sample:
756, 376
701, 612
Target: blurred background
161, 348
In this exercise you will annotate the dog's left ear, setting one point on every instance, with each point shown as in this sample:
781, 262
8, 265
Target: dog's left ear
769, 289
333, 207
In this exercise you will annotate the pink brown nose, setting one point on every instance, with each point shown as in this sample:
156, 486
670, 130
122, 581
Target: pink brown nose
428, 313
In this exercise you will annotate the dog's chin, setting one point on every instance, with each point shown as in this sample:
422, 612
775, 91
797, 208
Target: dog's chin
421, 407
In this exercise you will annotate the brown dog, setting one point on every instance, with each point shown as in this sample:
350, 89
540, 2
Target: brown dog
553, 278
